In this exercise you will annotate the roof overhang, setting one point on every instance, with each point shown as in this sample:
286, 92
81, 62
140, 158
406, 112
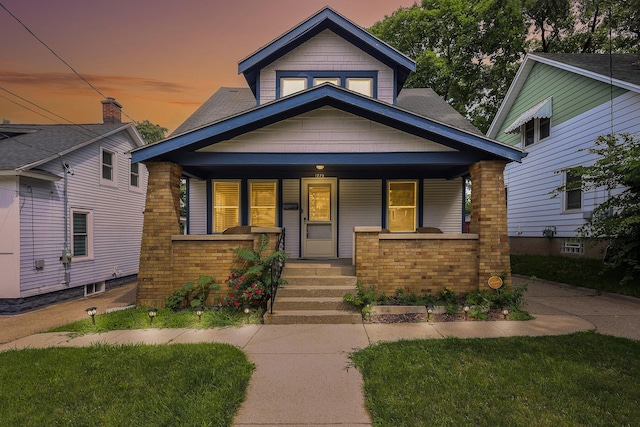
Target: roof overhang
467, 148
543, 109
323, 20
32, 173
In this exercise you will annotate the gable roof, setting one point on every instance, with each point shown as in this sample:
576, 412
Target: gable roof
24, 147
621, 70
326, 18
181, 148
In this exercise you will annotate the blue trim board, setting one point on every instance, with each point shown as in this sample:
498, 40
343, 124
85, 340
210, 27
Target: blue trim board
209, 206
325, 19
327, 95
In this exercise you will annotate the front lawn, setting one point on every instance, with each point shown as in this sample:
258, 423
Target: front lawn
579, 379
186, 385
137, 318
585, 272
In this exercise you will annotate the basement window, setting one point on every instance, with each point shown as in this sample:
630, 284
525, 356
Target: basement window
573, 246
94, 288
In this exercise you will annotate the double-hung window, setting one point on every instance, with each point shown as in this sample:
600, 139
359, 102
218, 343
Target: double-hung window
108, 167
402, 206
226, 205
262, 203
573, 192
82, 233
134, 179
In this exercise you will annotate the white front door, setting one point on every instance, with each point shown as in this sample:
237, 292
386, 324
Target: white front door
319, 213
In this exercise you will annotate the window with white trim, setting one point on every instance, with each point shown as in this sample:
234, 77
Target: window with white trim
573, 192
108, 167
134, 175
535, 130
82, 234
226, 205
262, 203
573, 246
402, 206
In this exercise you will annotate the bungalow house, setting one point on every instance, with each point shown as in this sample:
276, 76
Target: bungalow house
556, 107
325, 146
71, 210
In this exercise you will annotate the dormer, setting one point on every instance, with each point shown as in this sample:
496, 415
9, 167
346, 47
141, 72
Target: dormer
326, 48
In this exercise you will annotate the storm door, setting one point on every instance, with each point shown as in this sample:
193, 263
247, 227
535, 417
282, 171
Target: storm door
319, 213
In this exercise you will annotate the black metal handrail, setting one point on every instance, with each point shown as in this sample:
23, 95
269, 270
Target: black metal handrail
276, 270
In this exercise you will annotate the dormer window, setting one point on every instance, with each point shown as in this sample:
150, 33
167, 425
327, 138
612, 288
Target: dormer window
534, 124
362, 82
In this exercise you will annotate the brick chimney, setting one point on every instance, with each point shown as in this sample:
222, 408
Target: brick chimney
111, 111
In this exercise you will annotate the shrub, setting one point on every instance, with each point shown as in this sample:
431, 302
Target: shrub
192, 294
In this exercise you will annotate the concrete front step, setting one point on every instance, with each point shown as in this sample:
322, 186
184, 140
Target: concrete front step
302, 303
314, 291
294, 317
321, 280
313, 270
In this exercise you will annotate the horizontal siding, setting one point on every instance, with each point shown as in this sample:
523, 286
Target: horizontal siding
530, 207
291, 218
326, 52
117, 219
443, 204
360, 204
197, 206
9, 237
326, 129
573, 95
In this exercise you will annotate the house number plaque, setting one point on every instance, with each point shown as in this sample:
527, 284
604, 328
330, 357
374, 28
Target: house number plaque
495, 282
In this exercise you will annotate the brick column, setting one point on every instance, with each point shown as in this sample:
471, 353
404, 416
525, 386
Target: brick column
161, 221
489, 221
367, 253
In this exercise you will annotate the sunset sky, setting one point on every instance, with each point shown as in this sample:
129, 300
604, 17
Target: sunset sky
160, 59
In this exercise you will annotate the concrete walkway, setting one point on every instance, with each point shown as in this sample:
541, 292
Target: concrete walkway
302, 375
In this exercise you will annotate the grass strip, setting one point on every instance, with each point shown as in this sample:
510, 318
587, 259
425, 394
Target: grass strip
585, 272
103, 385
579, 379
137, 318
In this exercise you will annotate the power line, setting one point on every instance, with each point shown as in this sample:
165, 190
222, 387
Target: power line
60, 58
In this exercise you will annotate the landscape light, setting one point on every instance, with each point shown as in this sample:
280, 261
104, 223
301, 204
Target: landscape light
153, 312
199, 311
430, 309
505, 312
466, 308
91, 311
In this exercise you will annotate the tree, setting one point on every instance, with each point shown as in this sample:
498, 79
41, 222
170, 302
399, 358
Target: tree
6, 121
467, 52
150, 132
617, 171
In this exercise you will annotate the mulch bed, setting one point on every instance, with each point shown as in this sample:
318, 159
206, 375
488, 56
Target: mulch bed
493, 315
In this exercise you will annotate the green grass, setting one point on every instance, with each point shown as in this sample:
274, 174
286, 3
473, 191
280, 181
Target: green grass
186, 385
580, 379
586, 272
137, 318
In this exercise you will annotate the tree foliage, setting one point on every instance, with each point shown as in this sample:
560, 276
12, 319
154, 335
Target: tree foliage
468, 51
151, 132
617, 171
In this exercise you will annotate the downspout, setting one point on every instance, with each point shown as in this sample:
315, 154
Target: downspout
66, 252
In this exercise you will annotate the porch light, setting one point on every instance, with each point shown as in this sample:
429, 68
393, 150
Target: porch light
199, 311
91, 312
505, 312
153, 312
320, 167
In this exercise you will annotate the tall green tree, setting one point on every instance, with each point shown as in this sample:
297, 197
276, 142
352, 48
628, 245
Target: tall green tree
151, 132
466, 51
617, 171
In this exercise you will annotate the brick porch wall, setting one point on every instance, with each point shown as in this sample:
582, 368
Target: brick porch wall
416, 263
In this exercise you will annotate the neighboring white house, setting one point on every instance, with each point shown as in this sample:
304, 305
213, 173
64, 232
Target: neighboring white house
71, 210
556, 107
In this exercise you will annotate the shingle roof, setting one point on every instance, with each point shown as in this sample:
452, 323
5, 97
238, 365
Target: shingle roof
624, 67
227, 102
22, 145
